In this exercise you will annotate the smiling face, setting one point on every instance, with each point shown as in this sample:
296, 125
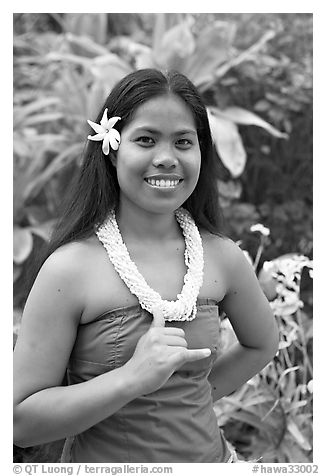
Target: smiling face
158, 161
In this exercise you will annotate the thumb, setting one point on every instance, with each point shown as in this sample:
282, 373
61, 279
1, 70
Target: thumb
158, 319
196, 354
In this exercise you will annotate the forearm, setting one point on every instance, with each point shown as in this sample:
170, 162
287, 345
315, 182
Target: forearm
55, 413
235, 367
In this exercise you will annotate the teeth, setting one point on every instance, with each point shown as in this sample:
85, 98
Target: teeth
162, 183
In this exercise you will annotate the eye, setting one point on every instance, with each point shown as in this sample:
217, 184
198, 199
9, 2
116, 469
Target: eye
184, 143
145, 141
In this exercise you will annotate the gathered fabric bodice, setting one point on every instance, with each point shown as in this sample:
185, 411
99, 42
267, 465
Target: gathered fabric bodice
174, 424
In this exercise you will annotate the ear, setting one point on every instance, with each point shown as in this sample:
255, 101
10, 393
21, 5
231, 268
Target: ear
113, 157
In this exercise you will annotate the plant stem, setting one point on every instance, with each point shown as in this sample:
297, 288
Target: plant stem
258, 255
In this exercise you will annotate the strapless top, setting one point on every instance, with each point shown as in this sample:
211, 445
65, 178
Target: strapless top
177, 422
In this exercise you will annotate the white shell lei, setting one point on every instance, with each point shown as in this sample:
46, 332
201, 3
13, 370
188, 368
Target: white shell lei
184, 308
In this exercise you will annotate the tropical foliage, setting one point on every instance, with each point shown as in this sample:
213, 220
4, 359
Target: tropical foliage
254, 72
270, 417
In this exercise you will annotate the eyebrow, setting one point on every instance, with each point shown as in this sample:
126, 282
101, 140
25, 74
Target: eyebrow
156, 131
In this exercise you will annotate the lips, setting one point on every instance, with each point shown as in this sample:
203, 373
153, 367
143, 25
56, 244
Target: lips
167, 181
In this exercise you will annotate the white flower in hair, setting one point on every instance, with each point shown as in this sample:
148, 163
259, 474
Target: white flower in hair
260, 228
105, 132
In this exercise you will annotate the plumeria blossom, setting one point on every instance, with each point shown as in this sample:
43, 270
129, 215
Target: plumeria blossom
105, 132
261, 229
286, 272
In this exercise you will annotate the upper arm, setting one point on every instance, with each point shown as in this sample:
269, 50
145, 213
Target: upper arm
49, 325
245, 303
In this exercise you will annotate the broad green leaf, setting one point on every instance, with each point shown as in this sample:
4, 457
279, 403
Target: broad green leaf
262, 105
21, 113
16, 272
40, 150
73, 88
37, 214
20, 147
88, 25
95, 100
49, 140
242, 116
84, 46
21, 179
23, 244
57, 164
229, 190
36, 105
41, 118
144, 59
212, 49
109, 69
228, 143
44, 230
68, 57
141, 55
176, 44
158, 30
163, 23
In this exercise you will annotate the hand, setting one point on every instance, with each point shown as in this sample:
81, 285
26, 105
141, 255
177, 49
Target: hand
158, 354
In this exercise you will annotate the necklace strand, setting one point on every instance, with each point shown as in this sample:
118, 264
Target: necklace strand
184, 307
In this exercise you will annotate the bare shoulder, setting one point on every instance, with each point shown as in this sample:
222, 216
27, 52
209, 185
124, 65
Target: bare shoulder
226, 256
222, 248
65, 273
86, 278
72, 257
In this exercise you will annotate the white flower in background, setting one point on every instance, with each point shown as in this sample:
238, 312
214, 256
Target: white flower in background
260, 228
287, 302
105, 132
310, 386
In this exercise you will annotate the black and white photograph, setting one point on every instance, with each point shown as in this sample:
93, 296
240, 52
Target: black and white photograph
163, 239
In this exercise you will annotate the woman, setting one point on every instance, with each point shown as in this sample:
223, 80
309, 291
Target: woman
128, 299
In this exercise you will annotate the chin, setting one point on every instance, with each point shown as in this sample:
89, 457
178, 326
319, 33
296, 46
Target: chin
163, 204
161, 209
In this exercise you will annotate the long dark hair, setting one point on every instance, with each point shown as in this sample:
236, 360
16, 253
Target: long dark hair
95, 189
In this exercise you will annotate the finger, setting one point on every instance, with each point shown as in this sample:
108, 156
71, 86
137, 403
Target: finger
174, 341
158, 319
174, 331
180, 356
196, 354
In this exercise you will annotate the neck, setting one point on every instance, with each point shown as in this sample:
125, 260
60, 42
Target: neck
146, 226
184, 309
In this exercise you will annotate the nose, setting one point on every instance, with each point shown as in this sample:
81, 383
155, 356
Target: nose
165, 157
